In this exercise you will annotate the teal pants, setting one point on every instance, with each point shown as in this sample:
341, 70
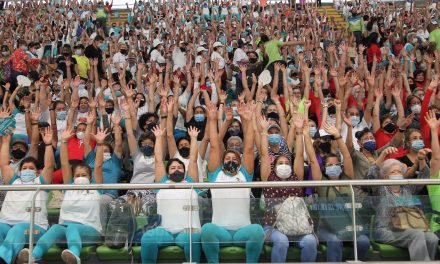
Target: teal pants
157, 238
214, 237
13, 239
74, 233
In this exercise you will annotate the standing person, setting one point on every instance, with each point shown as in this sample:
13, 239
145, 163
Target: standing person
93, 51
101, 17
434, 190
231, 221
14, 217
82, 61
356, 25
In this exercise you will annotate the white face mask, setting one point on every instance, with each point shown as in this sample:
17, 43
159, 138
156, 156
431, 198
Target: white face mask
395, 177
81, 180
283, 171
80, 135
107, 156
416, 109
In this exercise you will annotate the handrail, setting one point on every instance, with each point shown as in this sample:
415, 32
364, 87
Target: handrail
137, 186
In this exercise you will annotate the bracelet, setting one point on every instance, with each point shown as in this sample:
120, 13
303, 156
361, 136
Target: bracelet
26, 110
64, 141
51, 109
48, 145
127, 118
278, 102
164, 117
402, 130
421, 158
73, 109
263, 133
221, 103
336, 138
34, 124
298, 133
100, 144
261, 102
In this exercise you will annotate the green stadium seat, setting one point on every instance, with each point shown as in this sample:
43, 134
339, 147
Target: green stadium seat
386, 251
54, 253
347, 252
170, 253
293, 254
232, 253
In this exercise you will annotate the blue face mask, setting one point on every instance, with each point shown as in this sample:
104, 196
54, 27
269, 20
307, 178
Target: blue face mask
355, 120
118, 93
147, 150
274, 139
417, 144
395, 177
61, 115
313, 131
208, 84
229, 49
199, 117
28, 175
333, 171
369, 145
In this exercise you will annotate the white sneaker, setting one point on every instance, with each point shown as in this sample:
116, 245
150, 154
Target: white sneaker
68, 257
23, 256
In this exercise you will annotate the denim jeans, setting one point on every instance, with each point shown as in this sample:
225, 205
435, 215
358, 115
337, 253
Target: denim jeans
336, 245
306, 243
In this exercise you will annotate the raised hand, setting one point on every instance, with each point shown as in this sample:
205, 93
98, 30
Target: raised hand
91, 117
223, 96
47, 135
67, 134
35, 115
212, 111
77, 81
100, 135
298, 122
229, 113
421, 155
337, 103
390, 150
347, 120
170, 104
193, 132
158, 131
332, 130
378, 92
432, 120
264, 123
5, 112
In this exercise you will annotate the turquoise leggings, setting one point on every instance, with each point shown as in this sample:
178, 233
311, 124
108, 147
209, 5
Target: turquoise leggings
157, 238
214, 236
74, 233
13, 239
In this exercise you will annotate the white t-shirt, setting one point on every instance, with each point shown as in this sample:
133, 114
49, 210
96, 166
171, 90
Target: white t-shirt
157, 57
239, 55
179, 58
216, 55
361, 126
119, 59
143, 168
201, 165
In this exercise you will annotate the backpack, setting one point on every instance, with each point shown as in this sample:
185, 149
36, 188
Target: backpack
121, 225
293, 218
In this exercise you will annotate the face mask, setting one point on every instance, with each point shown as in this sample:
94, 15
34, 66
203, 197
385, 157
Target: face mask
5, 53
273, 115
118, 93
332, 110
184, 152
199, 117
416, 109
233, 131
230, 166
66, 54
369, 145
312, 131
147, 150
395, 177
177, 176
389, 128
253, 60
234, 111
274, 139
61, 115
109, 110
24, 48
123, 51
78, 52
18, 153
107, 156
283, 171
238, 149
81, 181
333, 171
141, 103
80, 135
151, 125
417, 144
355, 120
28, 175
325, 147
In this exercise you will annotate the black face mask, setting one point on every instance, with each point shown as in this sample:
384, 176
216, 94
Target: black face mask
332, 110
109, 110
273, 115
18, 153
21, 108
183, 49
151, 125
437, 115
253, 60
184, 152
123, 51
177, 176
141, 102
230, 166
389, 128
66, 54
325, 147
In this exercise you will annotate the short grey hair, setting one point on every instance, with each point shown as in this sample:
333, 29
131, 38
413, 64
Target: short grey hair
386, 166
234, 137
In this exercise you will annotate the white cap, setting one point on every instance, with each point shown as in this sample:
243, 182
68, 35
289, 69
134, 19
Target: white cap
199, 49
202, 43
23, 81
182, 42
157, 42
217, 44
93, 36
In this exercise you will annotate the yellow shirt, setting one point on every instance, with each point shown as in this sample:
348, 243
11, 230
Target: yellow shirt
83, 65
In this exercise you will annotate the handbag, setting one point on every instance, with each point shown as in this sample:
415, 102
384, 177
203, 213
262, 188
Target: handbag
403, 218
293, 217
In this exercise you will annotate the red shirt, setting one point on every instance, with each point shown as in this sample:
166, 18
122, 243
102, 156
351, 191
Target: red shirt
424, 127
373, 50
382, 138
76, 148
20, 61
315, 107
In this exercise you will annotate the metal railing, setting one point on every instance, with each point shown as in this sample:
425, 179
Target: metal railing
216, 185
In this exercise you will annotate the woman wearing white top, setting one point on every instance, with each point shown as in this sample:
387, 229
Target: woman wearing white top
14, 217
79, 216
156, 56
231, 222
171, 203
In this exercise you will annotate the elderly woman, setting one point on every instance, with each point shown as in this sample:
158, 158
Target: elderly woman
421, 244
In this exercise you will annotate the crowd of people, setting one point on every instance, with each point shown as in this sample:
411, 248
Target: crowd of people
221, 91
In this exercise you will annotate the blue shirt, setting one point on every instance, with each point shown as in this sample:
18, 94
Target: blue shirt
111, 170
